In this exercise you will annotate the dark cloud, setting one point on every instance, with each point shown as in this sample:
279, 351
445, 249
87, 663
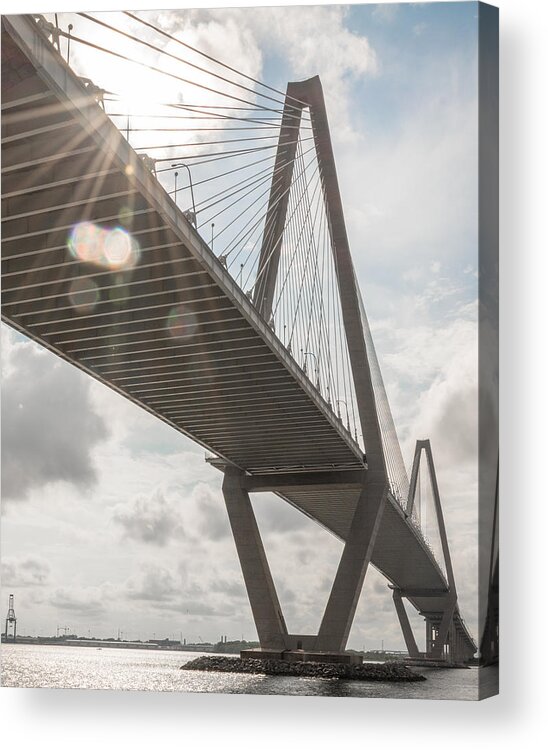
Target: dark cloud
30, 571
49, 426
87, 602
151, 520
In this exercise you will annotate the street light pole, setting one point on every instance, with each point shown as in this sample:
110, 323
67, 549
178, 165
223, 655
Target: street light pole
341, 401
191, 191
311, 354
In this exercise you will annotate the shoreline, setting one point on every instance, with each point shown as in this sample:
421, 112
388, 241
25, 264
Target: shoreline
387, 672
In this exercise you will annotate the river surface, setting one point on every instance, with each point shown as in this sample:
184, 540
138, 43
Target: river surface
132, 669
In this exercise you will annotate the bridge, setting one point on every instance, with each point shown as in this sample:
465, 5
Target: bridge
260, 351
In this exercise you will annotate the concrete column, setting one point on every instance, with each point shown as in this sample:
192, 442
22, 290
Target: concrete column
443, 628
453, 643
263, 598
459, 656
430, 636
408, 635
279, 198
347, 586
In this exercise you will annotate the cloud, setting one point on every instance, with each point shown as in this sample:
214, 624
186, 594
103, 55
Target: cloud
232, 588
213, 521
155, 584
151, 520
177, 593
49, 425
275, 516
85, 601
417, 196
307, 41
438, 367
29, 571
315, 40
198, 608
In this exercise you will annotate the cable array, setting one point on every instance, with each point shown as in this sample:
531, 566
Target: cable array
424, 516
395, 466
210, 133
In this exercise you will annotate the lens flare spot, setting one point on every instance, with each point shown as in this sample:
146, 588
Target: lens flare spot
108, 248
86, 242
182, 323
83, 294
117, 248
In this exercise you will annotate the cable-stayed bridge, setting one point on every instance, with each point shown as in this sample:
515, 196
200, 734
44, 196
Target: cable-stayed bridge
194, 258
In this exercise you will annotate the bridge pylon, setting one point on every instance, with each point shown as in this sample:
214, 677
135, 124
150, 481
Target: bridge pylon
372, 482
446, 636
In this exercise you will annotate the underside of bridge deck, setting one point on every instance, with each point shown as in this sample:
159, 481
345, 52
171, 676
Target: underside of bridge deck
163, 322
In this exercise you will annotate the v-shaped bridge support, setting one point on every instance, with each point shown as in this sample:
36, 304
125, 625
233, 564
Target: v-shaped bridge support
341, 607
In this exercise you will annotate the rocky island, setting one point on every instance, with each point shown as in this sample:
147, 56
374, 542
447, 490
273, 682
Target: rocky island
392, 672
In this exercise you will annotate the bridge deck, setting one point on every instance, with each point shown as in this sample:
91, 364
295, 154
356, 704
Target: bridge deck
174, 334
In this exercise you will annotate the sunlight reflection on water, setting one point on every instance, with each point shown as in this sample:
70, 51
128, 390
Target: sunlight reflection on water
132, 669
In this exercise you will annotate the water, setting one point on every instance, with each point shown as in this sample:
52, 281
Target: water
132, 669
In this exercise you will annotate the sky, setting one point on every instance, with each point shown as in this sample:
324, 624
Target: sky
112, 520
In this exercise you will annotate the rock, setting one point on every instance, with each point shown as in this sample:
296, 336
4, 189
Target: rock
394, 672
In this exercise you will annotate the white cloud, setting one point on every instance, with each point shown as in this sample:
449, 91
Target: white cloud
155, 584
152, 520
49, 426
410, 193
312, 40
213, 520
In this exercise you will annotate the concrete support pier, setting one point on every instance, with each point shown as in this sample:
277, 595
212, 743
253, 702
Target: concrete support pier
330, 642
410, 642
348, 583
263, 598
